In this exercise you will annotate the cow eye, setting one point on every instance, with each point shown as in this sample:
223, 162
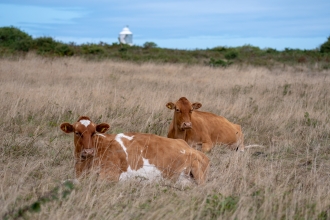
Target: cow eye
93, 134
78, 134
177, 110
191, 110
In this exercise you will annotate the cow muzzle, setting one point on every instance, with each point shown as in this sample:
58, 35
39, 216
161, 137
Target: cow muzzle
87, 152
186, 125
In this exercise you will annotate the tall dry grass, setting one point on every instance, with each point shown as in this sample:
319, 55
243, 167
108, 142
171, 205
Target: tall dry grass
285, 110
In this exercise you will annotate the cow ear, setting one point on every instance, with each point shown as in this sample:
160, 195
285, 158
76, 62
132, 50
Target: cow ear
196, 105
67, 128
170, 105
102, 128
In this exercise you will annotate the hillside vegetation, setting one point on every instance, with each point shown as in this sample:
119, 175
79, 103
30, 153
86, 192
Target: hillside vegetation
285, 109
14, 42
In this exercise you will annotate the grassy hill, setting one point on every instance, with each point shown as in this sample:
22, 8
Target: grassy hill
15, 42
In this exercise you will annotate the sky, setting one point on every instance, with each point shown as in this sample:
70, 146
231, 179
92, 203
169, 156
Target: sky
185, 24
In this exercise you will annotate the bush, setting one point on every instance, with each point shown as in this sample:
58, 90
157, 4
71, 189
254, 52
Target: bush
92, 49
217, 63
249, 49
45, 45
230, 55
14, 38
219, 49
271, 51
63, 50
23, 45
325, 47
148, 45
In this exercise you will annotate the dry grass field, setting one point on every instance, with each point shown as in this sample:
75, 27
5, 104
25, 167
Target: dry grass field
285, 109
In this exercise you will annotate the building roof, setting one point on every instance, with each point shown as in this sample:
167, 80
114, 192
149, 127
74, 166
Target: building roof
125, 31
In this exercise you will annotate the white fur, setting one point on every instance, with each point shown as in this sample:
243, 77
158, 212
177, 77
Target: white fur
85, 122
147, 171
119, 137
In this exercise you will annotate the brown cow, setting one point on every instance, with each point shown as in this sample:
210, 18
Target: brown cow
202, 128
120, 156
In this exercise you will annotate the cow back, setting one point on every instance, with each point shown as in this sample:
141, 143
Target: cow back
128, 155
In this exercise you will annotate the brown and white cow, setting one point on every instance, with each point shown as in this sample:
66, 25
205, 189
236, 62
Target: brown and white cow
120, 156
202, 128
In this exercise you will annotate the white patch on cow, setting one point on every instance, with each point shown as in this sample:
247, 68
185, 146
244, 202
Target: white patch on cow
85, 122
120, 141
147, 171
101, 135
182, 151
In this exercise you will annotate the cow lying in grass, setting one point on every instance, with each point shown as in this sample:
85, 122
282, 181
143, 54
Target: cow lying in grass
120, 156
203, 128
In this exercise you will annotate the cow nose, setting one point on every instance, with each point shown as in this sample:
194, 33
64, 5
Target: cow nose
87, 152
186, 125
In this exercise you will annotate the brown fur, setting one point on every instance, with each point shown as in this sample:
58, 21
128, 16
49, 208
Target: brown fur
108, 158
202, 128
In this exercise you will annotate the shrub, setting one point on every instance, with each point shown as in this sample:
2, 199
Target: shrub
64, 50
23, 45
123, 48
148, 45
15, 39
45, 45
271, 51
219, 49
249, 49
92, 49
230, 55
219, 62
325, 47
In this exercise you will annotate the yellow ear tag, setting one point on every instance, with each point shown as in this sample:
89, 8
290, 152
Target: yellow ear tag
169, 106
103, 129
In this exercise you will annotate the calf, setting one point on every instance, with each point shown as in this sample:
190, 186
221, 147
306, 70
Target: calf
120, 156
202, 128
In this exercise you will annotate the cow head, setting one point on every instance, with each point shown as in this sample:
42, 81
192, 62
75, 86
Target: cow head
84, 134
183, 110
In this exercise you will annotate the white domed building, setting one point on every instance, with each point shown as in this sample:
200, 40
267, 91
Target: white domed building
126, 36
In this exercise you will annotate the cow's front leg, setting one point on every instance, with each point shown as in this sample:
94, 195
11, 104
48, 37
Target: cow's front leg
207, 146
